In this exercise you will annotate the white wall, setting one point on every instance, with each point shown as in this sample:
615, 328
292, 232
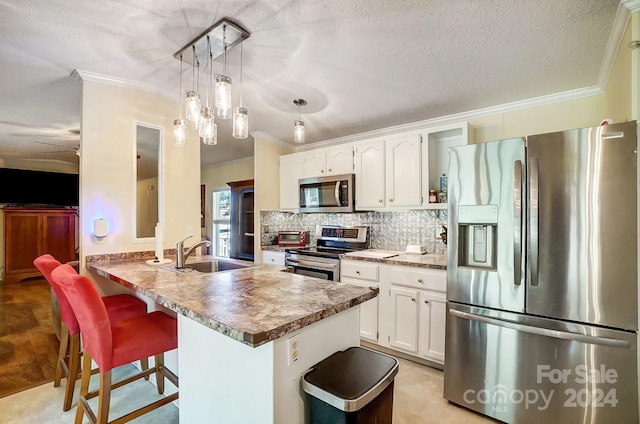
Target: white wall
267, 180
107, 168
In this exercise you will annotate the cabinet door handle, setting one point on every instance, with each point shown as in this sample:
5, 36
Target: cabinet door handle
358, 272
391, 200
330, 169
322, 171
426, 301
413, 299
420, 280
380, 200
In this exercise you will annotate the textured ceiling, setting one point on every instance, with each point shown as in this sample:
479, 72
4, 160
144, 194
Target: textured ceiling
361, 64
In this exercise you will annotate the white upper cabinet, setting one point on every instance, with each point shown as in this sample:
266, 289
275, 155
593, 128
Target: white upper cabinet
388, 173
370, 175
340, 159
290, 173
403, 172
314, 163
335, 160
396, 172
435, 156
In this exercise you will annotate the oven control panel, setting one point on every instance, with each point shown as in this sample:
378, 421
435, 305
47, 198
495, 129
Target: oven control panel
350, 234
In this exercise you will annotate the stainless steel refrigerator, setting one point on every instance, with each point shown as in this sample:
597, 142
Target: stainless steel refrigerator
542, 297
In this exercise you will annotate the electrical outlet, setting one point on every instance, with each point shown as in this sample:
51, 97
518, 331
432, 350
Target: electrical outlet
436, 233
293, 348
265, 229
189, 230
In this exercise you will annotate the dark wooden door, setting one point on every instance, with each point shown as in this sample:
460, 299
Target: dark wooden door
23, 240
59, 235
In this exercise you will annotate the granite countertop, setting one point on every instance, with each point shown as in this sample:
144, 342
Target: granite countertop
427, 260
277, 248
253, 305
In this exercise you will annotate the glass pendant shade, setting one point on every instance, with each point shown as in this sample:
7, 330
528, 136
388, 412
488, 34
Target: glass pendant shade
208, 130
298, 131
240, 123
193, 107
223, 97
179, 132
211, 135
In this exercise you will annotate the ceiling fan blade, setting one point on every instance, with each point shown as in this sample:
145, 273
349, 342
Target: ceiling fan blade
69, 149
50, 144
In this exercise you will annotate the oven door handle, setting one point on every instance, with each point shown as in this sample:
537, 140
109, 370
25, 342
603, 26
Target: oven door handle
318, 265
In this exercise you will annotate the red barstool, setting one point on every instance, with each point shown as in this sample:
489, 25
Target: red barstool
112, 344
118, 307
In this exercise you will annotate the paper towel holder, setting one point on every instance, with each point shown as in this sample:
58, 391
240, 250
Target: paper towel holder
100, 230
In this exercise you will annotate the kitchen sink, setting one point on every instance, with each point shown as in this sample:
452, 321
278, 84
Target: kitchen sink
208, 267
215, 266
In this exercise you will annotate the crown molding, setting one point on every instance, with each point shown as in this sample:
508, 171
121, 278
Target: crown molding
271, 139
631, 5
121, 82
613, 45
230, 162
458, 117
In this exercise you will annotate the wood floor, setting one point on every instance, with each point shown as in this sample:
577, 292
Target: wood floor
28, 342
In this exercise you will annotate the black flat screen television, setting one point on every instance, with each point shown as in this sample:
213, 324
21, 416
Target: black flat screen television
20, 187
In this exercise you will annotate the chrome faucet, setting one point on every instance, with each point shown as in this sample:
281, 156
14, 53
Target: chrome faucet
183, 253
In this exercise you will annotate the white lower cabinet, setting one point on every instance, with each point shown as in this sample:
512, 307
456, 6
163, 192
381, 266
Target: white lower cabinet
273, 257
431, 327
404, 319
410, 311
364, 274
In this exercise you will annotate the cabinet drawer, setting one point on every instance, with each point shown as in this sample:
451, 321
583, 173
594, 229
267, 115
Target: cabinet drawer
359, 269
270, 257
421, 278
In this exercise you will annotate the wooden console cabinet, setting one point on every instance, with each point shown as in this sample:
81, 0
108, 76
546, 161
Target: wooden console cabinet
31, 232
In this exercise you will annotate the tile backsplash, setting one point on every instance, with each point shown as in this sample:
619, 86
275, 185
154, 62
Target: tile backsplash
392, 230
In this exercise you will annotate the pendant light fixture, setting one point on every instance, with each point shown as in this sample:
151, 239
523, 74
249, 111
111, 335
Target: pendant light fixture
240, 114
193, 98
208, 130
214, 42
223, 85
298, 126
179, 126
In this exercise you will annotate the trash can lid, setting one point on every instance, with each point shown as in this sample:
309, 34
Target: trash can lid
350, 379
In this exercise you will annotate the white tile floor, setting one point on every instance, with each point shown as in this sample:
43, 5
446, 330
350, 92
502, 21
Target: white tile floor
417, 399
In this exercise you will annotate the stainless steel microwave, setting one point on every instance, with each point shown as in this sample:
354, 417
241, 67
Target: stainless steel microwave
334, 193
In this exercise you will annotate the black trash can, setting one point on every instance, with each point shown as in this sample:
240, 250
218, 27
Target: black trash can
353, 386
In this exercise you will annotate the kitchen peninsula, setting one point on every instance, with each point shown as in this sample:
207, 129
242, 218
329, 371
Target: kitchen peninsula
245, 337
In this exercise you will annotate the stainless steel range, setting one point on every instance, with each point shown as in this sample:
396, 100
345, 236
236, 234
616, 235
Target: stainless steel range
323, 260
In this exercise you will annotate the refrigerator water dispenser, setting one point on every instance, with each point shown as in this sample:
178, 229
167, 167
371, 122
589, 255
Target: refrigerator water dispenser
477, 231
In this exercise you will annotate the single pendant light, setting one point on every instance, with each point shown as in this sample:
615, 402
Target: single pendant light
193, 98
223, 86
179, 126
240, 114
298, 126
208, 130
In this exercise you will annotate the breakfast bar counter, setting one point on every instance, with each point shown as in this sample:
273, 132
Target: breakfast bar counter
246, 336
253, 305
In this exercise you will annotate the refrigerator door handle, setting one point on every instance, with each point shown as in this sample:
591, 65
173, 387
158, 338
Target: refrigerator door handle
565, 335
517, 222
533, 220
